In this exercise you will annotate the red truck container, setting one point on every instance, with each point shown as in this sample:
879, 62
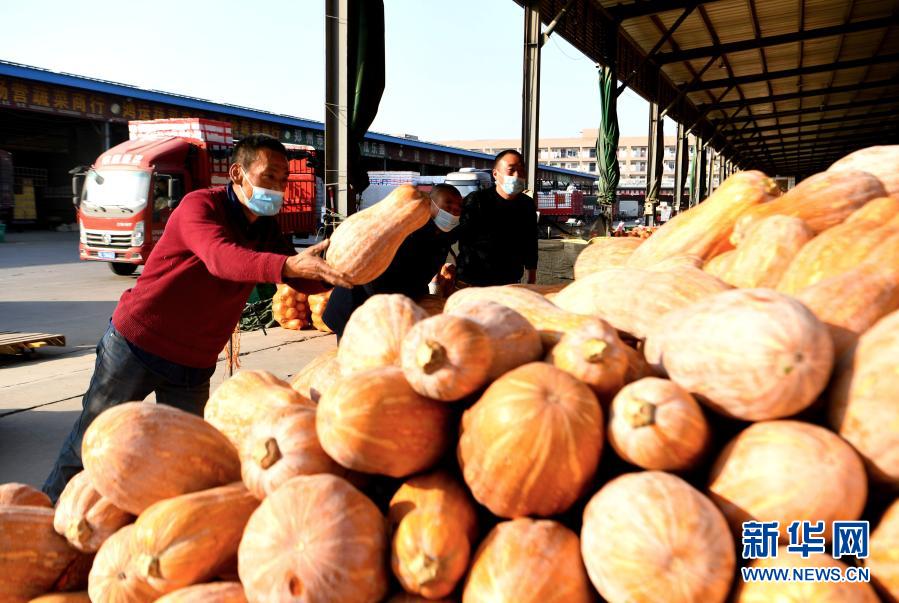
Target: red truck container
131, 190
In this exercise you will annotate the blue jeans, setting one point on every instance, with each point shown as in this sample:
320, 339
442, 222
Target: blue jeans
124, 373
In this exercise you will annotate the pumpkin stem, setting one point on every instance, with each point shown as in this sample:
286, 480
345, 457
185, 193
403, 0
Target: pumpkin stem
79, 531
594, 349
641, 414
424, 567
430, 356
150, 565
268, 453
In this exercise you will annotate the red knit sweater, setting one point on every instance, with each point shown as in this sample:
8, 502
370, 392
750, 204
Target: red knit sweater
193, 288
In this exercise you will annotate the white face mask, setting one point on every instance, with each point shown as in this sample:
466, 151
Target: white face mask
444, 220
512, 185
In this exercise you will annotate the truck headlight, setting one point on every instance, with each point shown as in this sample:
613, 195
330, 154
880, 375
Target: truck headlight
137, 237
82, 235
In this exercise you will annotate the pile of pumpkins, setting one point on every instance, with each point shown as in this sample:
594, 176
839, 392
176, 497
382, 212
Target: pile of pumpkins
528, 445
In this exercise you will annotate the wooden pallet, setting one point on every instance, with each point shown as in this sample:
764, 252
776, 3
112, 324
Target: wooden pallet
12, 342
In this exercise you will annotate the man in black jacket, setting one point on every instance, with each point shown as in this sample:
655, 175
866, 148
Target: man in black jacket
498, 229
415, 264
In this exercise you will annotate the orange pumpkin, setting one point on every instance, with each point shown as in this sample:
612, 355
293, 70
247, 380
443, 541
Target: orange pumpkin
603, 253
316, 538
363, 245
114, 578
883, 560
637, 366
788, 471
800, 592
532, 443
766, 251
15, 493
719, 265
215, 592
650, 536
446, 357
752, 354
851, 302
633, 301
704, 230
84, 517
549, 319
239, 402
515, 340
375, 422
595, 355
881, 161
283, 444
32, 555
820, 201
374, 334
863, 407
405, 597
432, 304
843, 247
134, 455
185, 539
314, 378
528, 561
656, 424
80, 597
435, 527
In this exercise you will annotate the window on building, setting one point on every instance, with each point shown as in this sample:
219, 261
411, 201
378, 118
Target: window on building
571, 152
640, 165
639, 151
592, 152
669, 166
593, 167
670, 151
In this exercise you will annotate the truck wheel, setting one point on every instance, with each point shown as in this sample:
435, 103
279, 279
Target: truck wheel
123, 269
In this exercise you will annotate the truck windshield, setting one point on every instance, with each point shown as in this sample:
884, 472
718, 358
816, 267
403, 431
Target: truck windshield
115, 192
628, 209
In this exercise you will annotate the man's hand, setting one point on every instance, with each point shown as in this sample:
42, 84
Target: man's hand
309, 264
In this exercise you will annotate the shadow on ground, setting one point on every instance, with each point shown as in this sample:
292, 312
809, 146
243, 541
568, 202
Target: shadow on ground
30, 441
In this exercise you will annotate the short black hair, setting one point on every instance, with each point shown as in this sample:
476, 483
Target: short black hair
446, 188
245, 150
502, 154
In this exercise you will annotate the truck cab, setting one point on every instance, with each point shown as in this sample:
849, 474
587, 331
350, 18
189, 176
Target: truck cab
129, 193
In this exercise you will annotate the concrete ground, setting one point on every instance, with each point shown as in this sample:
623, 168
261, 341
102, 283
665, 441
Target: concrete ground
45, 288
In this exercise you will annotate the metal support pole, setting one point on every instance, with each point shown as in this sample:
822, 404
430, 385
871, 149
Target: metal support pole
336, 103
722, 174
530, 96
682, 158
654, 160
701, 184
107, 143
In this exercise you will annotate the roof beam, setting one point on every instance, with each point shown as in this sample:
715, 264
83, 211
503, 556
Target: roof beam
854, 129
875, 102
650, 56
825, 143
664, 58
759, 100
645, 8
819, 122
774, 75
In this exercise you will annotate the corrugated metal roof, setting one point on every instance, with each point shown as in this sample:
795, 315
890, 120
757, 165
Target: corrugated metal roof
96, 85
742, 38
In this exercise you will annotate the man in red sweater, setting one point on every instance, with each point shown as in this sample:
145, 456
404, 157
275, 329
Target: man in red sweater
167, 331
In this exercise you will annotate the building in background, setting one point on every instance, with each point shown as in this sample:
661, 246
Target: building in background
580, 154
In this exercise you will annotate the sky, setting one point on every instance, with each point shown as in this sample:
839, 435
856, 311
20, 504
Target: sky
453, 68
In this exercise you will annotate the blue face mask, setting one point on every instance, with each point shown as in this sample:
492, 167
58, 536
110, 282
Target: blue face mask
444, 220
512, 185
263, 201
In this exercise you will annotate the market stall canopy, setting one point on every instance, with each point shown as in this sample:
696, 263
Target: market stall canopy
787, 87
